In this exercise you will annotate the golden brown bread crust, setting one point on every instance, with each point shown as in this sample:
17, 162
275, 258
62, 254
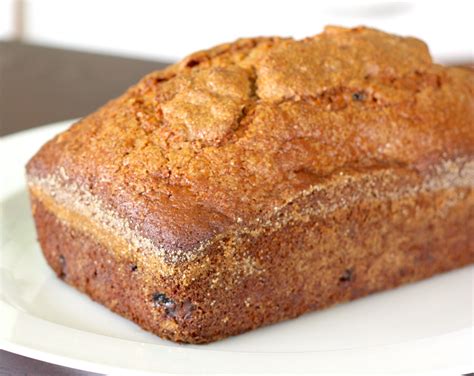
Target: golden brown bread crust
221, 169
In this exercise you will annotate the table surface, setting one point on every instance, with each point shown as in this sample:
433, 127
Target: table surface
40, 85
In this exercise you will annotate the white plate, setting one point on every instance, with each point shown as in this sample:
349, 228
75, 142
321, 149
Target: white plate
423, 327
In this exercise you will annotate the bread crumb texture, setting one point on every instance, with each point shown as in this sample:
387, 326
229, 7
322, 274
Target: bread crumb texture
229, 134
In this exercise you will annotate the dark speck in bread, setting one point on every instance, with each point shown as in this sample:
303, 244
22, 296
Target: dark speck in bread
347, 276
62, 263
358, 96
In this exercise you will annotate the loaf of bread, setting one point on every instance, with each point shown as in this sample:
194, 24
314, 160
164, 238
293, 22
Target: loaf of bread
262, 179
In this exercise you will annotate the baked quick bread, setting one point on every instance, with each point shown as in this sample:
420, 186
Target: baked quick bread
263, 179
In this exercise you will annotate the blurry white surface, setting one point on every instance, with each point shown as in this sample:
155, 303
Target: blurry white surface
7, 18
173, 29
423, 327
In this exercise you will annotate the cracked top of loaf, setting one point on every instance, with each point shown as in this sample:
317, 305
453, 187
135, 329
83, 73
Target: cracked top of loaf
233, 133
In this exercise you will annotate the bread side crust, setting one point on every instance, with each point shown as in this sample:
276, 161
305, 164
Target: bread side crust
362, 233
